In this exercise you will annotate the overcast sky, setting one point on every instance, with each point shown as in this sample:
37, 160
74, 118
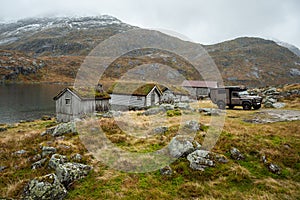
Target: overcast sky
203, 21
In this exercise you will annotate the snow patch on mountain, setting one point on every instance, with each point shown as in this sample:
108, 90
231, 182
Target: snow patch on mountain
291, 47
10, 32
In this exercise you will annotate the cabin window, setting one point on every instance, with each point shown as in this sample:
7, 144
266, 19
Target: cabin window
139, 98
68, 101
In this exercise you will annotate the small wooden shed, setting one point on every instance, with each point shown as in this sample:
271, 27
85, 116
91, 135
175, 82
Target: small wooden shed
126, 95
71, 103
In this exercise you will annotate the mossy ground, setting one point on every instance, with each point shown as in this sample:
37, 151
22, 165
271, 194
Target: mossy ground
247, 179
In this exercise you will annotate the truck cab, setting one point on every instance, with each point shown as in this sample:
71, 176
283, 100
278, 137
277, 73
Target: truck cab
232, 96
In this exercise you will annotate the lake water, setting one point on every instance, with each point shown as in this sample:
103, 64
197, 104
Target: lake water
27, 101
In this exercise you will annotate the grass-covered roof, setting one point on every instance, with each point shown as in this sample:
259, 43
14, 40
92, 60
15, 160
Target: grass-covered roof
139, 89
85, 93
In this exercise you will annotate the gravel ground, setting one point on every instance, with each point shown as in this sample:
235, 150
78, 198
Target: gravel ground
270, 116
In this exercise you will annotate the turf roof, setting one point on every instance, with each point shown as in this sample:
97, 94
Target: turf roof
139, 89
85, 93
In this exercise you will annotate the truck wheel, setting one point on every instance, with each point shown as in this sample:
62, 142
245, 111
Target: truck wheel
221, 105
256, 107
231, 107
246, 106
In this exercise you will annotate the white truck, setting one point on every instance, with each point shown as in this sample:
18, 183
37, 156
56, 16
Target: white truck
232, 96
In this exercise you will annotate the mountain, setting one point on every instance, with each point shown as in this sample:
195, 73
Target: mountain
255, 62
59, 36
58, 47
291, 47
15, 64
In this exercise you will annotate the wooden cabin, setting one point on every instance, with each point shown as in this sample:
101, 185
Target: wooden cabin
71, 103
199, 89
127, 96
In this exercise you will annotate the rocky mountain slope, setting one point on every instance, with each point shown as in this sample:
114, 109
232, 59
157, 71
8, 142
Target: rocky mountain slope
255, 61
292, 48
61, 44
14, 64
59, 36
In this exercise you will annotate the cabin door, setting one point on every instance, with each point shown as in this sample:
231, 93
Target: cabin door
153, 99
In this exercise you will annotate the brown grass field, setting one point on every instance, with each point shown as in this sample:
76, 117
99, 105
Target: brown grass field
247, 179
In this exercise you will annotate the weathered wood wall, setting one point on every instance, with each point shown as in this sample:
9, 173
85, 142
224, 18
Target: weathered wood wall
77, 107
156, 97
102, 105
127, 100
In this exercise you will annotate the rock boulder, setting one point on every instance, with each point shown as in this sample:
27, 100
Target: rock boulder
236, 154
154, 111
69, 172
57, 159
166, 170
45, 187
39, 164
200, 159
64, 128
180, 146
48, 151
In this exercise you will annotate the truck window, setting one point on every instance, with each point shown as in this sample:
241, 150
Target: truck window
234, 94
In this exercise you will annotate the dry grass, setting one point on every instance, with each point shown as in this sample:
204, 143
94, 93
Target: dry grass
26, 136
248, 179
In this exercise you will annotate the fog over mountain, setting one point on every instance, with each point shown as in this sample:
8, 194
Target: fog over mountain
205, 22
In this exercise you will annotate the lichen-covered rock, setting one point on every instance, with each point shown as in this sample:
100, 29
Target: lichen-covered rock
39, 163
166, 170
111, 114
200, 159
210, 111
154, 111
167, 106
269, 102
221, 158
64, 128
160, 130
44, 188
294, 72
36, 157
192, 125
236, 154
57, 159
180, 146
48, 151
275, 169
49, 131
20, 152
183, 106
69, 172
196, 144
77, 157
278, 105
